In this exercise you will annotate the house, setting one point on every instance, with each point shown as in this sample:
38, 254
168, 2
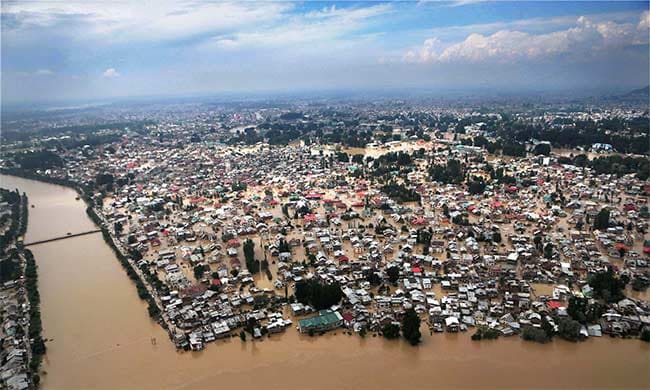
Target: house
452, 324
324, 321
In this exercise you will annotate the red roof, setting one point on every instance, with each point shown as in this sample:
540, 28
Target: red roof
554, 305
419, 221
416, 270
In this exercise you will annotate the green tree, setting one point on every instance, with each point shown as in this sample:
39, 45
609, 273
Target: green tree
530, 333
577, 308
393, 274
411, 327
320, 296
568, 329
645, 335
601, 222
542, 149
249, 256
199, 270
607, 285
390, 331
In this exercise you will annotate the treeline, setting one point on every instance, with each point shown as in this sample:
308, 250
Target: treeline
508, 146
35, 325
284, 133
400, 193
18, 217
388, 163
614, 164
450, 173
10, 267
42, 159
625, 135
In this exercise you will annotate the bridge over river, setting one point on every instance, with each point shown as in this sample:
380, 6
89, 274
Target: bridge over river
63, 237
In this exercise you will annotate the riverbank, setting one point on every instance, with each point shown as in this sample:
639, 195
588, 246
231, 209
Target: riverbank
145, 291
22, 345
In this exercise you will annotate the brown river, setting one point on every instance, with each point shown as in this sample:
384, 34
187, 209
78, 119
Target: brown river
101, 336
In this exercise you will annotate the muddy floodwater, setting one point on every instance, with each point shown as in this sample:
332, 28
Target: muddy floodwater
102, 337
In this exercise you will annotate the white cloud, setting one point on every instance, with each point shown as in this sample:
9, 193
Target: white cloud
456, 3
328, 24
585, 39
140, 20
460, 3
644, 24
43, 72
110, 73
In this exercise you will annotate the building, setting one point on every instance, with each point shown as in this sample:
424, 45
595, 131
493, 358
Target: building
324, 321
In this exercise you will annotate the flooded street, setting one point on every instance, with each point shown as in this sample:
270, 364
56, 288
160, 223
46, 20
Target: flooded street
101, 336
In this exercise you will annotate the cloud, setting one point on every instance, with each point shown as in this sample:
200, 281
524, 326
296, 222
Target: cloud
461, 3
110, 73
586, 39
139, 21
204, 25
644, 24
43, 72
456, 3
325, 25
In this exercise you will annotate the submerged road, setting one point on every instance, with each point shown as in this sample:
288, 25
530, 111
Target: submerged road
63, 237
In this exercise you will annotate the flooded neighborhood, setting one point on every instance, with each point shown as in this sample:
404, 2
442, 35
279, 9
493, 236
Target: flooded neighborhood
93, 347
295, 261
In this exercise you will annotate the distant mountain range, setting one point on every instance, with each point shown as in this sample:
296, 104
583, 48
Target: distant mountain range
640, 93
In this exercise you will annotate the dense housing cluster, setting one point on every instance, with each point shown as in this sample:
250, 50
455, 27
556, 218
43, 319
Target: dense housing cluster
22, 346
248, 220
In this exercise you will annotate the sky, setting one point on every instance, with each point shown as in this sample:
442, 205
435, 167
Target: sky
75, 50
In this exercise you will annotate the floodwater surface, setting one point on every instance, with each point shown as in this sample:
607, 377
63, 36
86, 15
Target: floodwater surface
102, 338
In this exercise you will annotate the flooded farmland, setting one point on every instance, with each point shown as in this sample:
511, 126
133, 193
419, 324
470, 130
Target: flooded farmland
101, 336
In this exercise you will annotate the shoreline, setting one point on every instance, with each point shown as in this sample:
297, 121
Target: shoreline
135, 274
